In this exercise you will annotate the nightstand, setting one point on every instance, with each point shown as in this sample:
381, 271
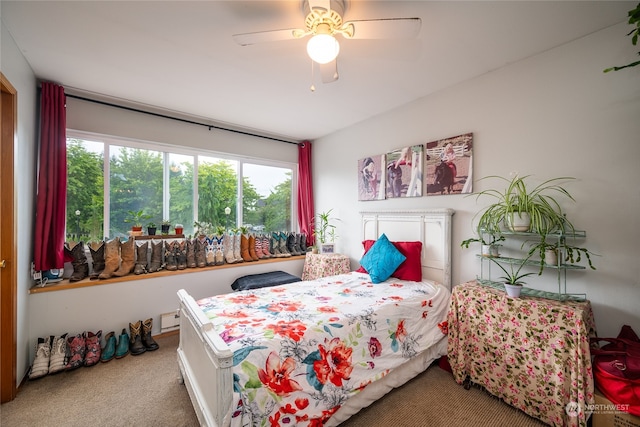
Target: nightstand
532, 352
323, 265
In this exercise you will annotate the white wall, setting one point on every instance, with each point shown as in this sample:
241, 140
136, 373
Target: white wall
555, 114
21, 77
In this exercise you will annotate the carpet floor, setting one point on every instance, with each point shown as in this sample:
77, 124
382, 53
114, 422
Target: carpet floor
144, 391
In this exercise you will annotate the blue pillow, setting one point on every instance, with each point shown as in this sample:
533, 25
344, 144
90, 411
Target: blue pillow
382, 259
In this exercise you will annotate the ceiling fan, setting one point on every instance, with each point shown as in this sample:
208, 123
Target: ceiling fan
323, 21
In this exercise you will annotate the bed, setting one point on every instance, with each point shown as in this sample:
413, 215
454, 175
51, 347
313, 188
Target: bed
316, 352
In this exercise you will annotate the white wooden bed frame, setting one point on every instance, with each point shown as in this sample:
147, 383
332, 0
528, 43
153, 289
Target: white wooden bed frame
206, 361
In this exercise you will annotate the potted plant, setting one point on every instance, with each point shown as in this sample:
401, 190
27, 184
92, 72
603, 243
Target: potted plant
558, 252
165, 226
490, 245
151, 229
535, 205
513, 278
179, 229
136, 218
325, 232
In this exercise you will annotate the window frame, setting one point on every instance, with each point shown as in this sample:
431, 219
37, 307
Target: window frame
168, 149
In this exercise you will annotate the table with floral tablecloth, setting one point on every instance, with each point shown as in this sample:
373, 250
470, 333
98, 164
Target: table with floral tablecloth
324, 265
531, 352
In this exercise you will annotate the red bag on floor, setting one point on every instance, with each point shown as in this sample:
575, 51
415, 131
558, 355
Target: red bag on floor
616, 369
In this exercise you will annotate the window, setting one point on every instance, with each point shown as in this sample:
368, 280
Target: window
174, 183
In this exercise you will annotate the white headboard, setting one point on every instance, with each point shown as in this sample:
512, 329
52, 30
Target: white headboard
432, 227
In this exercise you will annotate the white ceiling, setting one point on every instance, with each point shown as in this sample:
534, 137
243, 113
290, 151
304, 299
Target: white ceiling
180, 56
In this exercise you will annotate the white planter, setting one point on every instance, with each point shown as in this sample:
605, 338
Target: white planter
513, 290
490, 250
519, 221
551, 257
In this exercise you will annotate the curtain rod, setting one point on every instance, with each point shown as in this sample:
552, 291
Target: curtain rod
164, 116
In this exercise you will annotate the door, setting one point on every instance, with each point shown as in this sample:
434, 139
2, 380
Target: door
8, 281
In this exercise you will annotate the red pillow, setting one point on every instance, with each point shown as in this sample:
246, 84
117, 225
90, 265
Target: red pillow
411, 268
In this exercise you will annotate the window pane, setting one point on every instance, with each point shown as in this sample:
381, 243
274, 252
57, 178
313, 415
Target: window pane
181, 191
85, 190
135, 185
217, 190
266, 196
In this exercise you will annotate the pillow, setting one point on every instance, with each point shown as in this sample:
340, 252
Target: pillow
411, 268
263, 280
382, 260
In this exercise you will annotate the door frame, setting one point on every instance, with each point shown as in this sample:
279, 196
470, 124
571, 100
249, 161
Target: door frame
8, 239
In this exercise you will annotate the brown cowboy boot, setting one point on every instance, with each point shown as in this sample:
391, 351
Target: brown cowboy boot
244, 248
79, 262
127, 258
147, 340
111, 258
141, 258
156, 256
191, 252
180, 251
201, 256
135, 339
252, 248
170, 250
97, 255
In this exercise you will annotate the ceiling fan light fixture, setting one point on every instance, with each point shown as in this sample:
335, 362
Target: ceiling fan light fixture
323, 48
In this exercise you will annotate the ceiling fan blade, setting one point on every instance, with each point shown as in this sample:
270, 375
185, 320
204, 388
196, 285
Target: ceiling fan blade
329, 71
247, 39
391, 28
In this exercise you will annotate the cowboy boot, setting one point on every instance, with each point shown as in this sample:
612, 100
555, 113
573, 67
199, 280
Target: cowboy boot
275, 245
191, 252
237, 247
252, 247
258, 247
170, 256
265, 246
291, 244
111, 258
200, 249
141, 259
303, 242
147, 340
211, 250
97, 255
283, 245
127, 258
180, 251
219, 251
244, 248
79, 262
135, 339
228, 248
156, 256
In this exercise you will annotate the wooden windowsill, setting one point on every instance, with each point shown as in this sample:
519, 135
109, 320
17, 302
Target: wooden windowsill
65, 284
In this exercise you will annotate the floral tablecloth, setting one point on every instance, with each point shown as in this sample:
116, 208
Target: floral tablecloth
324, 265
531, 352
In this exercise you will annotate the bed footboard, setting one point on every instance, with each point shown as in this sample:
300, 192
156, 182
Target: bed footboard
205, 363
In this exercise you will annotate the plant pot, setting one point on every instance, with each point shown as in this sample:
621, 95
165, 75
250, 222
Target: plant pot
179, 229
490, 250
519, 221
314, 250
513, 290
551, 257
151, 231
165, 228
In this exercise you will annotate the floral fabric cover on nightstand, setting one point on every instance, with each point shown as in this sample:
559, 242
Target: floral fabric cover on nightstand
531, 352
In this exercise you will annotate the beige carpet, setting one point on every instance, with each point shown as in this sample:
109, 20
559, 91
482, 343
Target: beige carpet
144, 391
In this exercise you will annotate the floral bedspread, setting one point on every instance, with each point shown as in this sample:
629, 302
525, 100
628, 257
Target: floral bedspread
300, 350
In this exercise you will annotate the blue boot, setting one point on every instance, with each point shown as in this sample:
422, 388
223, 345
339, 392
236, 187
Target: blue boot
123, 345
109, 350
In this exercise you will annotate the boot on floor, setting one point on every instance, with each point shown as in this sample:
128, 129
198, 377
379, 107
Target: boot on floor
141, 258
111, 258
97, 255
127, 258
80, 265
122, 349
147, 340
135, 339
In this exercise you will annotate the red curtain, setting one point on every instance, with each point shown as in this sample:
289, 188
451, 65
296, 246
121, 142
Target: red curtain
305, 192
52, 180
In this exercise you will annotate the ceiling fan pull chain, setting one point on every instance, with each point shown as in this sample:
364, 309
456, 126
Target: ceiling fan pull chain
313, 87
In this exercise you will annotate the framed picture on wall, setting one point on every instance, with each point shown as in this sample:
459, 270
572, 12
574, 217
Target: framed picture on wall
371, 178
404, 172
449, 165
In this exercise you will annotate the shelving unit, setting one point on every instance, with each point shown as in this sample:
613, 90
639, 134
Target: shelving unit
560, 267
